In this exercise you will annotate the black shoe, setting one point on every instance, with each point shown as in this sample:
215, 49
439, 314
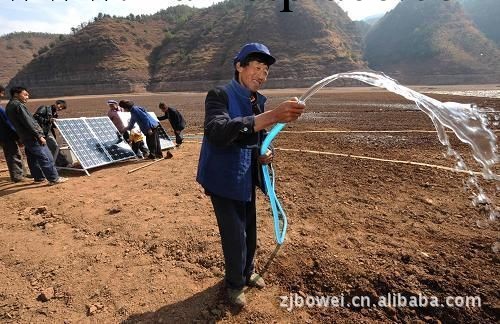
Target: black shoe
39, 180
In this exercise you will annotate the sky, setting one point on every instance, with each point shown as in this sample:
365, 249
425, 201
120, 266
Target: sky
58, 16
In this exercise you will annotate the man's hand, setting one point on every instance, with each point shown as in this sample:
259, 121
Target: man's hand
150, 132
42, 141
266, 158
286, 112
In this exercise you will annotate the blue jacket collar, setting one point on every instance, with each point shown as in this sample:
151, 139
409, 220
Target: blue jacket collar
239, 89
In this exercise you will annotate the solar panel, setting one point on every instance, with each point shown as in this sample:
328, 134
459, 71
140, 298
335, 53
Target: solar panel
165, 141
94, 141
111, 138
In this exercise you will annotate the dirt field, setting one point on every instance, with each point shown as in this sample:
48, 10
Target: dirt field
144, 247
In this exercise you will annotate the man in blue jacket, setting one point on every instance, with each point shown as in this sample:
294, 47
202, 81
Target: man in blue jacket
147, 124
228, 168
8, 142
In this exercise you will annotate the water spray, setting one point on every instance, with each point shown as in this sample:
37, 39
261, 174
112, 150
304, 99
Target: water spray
467, 122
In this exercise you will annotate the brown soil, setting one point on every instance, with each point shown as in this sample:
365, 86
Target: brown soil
144, 247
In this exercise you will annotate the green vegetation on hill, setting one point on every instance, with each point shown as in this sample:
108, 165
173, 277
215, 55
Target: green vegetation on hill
106, 55
179, 46
315, 40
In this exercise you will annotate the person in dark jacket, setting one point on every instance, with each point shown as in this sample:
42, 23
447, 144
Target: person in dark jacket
228, 168
176, 121
39, 158
45, 116
147, 124
8, 142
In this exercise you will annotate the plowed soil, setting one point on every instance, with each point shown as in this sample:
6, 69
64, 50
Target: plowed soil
144, 247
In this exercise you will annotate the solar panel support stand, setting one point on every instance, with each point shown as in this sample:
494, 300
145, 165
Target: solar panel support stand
74, 169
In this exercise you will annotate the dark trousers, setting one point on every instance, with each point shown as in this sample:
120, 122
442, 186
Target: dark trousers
40, 161
53, 146
140, 149
153, 141
178, 137
238, 231
14, 160
59, 159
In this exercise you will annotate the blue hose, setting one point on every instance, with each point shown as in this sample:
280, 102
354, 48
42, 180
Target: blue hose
279, 216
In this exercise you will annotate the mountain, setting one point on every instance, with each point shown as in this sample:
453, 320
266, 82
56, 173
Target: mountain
317, 39
182, 48
485, 13
109, 55
18, 49
373, 19
431, 42
363, 27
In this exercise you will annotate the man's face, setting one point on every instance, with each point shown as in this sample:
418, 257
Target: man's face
113, 106
23, 96
163, 108
2, 94
60, 107
252, 76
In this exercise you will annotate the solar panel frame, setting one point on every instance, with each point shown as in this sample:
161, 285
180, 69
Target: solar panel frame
83, 137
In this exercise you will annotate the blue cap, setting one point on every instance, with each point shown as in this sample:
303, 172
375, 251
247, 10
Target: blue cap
254, 48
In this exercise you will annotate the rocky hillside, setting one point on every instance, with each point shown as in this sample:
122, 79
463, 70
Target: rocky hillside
485, 14
315, 40
432, 42
18, 49
168, 51
109, 55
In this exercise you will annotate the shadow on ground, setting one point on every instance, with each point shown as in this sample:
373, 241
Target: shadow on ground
205, 306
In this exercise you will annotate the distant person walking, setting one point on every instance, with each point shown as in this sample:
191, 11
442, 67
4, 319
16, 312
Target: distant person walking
147, 124
8, 142
40, 161
176, 121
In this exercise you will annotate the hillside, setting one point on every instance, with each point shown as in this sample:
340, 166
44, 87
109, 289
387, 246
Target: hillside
316, 40
17, 49
108, 55
168, 51
484, 14
431, 43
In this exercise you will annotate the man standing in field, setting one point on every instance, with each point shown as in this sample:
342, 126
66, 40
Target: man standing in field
45, 116
8, 142
40, 161
228, 168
